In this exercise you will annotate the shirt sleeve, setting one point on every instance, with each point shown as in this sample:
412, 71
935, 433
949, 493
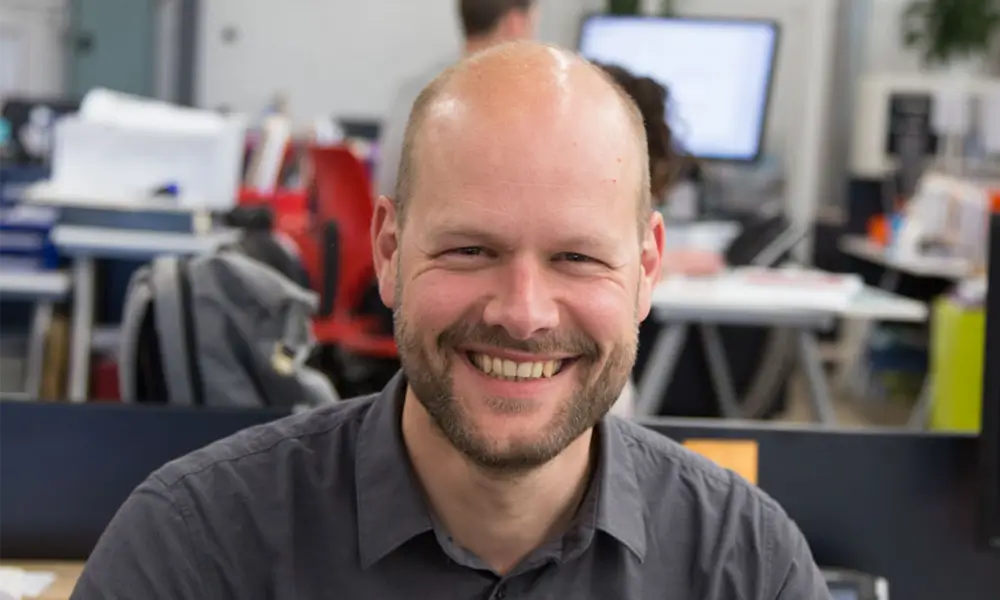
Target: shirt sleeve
146, 552
793, 571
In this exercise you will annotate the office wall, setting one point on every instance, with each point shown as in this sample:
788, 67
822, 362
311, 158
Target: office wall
335, 57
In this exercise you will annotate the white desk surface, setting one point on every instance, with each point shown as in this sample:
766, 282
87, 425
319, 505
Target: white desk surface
108, 242
45, 194
710, 301
925, 266
36, 285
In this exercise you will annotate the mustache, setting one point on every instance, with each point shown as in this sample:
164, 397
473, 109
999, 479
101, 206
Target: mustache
574, 343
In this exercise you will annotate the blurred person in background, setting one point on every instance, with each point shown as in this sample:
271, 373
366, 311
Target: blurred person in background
668, 165
485, 23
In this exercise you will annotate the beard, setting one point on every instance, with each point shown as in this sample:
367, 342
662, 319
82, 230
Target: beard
429, 374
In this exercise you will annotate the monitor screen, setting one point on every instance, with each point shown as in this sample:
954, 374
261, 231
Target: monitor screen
844, 592
718, 73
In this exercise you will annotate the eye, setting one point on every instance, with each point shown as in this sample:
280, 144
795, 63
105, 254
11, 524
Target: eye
575, 257
468, 251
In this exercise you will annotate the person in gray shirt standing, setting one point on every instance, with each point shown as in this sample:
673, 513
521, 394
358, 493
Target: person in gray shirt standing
518, 258
485, 23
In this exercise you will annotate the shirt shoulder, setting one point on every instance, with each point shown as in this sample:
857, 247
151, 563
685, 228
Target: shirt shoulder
656, 457
732, 532
327, 430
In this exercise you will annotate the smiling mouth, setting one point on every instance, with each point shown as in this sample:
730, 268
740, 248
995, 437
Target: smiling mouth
509, 370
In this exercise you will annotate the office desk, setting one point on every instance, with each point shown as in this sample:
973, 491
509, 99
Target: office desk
941, 267
856, 373
708, 303
67, 573
43, 288
85, 245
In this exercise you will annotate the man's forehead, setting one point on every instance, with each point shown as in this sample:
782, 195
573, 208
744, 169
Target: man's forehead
527, 119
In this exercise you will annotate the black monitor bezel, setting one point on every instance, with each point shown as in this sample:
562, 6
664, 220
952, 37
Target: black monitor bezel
769, 89
989, 437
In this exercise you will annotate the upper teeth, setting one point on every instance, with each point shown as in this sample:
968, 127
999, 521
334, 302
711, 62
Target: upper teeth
508, 369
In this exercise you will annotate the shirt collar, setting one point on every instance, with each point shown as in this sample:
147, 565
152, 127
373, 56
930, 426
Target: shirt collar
391, 506
621, 510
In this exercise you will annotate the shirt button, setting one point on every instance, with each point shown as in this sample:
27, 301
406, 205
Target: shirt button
499, 593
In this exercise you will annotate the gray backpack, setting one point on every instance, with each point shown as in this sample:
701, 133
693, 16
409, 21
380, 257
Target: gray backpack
218, 330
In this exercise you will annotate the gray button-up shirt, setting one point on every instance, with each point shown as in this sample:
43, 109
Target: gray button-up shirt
324, 505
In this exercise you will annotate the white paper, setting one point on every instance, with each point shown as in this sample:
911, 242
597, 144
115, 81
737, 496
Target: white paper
11, 584
36, 582
101, 105
16, 584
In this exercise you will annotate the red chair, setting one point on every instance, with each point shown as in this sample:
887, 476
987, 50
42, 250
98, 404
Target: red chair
343, 213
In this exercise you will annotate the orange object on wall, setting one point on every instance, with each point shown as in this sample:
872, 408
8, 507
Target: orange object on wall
878, 229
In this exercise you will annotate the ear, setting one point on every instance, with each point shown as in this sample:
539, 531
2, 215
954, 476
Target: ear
385, 245
651, 260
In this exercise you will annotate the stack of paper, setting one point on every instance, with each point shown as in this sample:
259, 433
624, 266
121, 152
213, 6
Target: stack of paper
16, 584
124, 149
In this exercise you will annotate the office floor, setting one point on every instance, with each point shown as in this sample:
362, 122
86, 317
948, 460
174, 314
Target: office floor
850, 410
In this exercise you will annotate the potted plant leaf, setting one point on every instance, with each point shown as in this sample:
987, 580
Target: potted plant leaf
623, 7
949, 33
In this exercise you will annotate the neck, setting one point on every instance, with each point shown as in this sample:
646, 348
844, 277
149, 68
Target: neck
501, 517
476, 44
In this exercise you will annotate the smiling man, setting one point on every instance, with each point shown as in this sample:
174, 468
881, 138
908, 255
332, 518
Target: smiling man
519, 255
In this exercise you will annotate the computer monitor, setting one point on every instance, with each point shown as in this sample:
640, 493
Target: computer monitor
718, 72
989, 439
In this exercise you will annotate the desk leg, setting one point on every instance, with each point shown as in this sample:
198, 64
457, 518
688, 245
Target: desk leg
718, 367
660, 369
857, 376
819, 389
921, 415
83, 326
41, 320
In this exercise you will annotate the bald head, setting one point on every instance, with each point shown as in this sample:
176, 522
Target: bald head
538, 98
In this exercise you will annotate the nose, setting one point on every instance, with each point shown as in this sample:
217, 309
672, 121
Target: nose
523, 302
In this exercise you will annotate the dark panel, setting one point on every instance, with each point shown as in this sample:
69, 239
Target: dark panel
67, 468
989, 459
900, 505
895, 504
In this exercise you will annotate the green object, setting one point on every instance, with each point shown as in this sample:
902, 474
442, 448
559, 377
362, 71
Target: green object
945, 30
958, 339
623, 7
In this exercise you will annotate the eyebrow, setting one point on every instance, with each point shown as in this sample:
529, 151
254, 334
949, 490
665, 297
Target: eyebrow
458, 233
